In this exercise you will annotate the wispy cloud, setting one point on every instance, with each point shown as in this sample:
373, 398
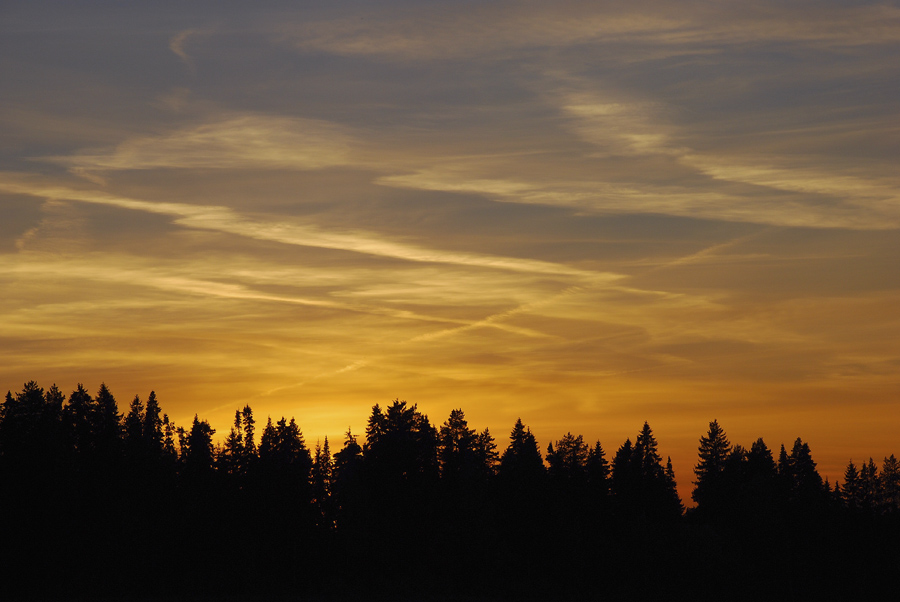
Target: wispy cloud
492, 30
236, 142
177, 45
223, 219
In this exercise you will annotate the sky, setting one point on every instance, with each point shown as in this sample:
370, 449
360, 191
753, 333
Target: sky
583, 214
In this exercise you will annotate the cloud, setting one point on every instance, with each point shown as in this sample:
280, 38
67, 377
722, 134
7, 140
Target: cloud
237, 142
176, 45
880, 196
223, 219
493, 30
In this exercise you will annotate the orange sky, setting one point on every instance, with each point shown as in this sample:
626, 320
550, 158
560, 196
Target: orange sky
584, 217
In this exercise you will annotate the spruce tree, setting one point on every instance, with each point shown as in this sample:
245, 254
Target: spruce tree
107, 426
713, 452
598, 472
890, 484
568, 460
457, 450
232, 457
134, 431
521, 461
852, 494
169, 454
199, 453
249, 429
322, 477
870, 486
77, 416
152, 431
806, 487
486, 450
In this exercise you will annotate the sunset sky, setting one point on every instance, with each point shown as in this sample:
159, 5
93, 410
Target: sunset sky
583, 214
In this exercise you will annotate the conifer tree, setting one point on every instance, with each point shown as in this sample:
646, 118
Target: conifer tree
232, 457
486, 450
107, 425
401, 446
152, 430
870, 485
625, 477
806, 487
457, 450
322, 476
78, 418
713, 452
268, 441
199, 453
598, 472
521, 462
249, 428
890, 484
568, 461
347, 475
134, 430
642, 488
852, 494
348, 461
169, 453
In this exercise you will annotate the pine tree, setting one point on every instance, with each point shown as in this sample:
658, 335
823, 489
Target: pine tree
249, 429
77, 416
852, 494
625, 477
199, 454
486, 450
153, 434
268, 442
870, 485
457, 450
134, 430
806, 487
568, 461
401, 447
169, 453
642, 488
598, 472
322, 477
521, 462
107, 426
347, 476
713, 452
232, 457
890, 484
347, 462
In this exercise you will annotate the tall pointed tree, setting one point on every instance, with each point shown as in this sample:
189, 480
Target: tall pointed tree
521, 461
134, 431
107, 425
890, 484
457, 450
598, 473
152, 431
322, 478
713, 452
486, 449
199, 453
568, 460
232, 458
851, 490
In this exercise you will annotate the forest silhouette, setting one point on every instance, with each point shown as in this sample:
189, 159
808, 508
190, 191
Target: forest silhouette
102, 503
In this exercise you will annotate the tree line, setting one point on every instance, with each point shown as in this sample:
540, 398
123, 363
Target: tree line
129, 504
